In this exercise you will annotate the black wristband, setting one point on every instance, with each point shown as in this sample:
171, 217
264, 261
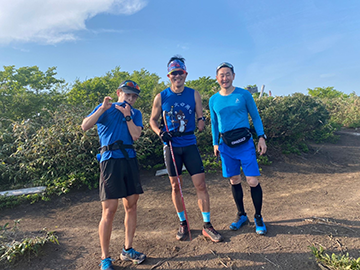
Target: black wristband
201, 118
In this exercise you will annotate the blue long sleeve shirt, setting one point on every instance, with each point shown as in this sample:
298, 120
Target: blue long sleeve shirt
231, 112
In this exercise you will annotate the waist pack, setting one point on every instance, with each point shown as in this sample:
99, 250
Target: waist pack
179, 134
118, 145
235, 137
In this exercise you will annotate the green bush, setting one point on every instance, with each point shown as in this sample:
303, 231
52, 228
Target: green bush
291, 121
344, 111
58, 155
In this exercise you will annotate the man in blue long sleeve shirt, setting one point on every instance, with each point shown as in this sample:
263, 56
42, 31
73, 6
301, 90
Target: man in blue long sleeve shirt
229, 109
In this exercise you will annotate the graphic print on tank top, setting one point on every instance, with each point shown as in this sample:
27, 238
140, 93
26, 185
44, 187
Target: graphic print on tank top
180, 119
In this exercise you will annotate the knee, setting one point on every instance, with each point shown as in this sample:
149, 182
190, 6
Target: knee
130, 208
201, 186
175, 187
235, 180
252, 181
108, 213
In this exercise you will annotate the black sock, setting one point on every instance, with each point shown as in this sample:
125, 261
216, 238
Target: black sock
257, 197
127, 249
183, 223
207, 225
238, 198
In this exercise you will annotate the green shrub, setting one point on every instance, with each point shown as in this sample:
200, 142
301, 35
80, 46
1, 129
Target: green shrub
344, 111
291, 121
58, 155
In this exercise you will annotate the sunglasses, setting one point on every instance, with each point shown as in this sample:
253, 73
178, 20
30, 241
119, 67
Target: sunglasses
178, 72
130, 84
225, 64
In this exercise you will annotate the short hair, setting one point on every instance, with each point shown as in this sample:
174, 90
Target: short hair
176, 57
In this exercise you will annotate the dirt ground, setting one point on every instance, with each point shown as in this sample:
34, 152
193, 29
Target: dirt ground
308, 199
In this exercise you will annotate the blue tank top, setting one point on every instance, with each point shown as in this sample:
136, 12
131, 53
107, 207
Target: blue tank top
180, 114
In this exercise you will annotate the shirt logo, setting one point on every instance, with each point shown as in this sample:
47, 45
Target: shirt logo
237, 100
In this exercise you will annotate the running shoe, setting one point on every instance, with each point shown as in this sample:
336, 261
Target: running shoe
106, 264
183, 233
132, 255
240, 220
260, 225
212, 234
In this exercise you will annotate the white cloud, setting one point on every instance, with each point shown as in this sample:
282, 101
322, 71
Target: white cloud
53, 21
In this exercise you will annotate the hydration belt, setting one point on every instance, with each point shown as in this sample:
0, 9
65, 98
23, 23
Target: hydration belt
179, 134
118, 145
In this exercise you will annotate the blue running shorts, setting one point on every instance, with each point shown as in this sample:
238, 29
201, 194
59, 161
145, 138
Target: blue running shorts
243, 156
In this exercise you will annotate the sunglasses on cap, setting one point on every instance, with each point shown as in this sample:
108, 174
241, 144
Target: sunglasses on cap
178, 72
130, 84
225, 64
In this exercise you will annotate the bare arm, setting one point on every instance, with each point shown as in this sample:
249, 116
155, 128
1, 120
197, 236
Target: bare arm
155, 114
199, 111
135, 131
90, 121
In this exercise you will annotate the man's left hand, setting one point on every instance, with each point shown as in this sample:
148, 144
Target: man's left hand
261, 148
125, 110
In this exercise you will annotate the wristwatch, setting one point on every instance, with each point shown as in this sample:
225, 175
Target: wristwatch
201, 118
128, 118
263, 136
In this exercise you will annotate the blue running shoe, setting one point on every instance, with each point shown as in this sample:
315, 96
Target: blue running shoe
260, 225
239, 221
132, 255
106, 264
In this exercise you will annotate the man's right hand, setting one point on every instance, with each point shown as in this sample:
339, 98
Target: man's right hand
216, 151
165, 136
106, 104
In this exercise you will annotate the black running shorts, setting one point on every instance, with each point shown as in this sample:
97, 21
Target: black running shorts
119, 178
188, 155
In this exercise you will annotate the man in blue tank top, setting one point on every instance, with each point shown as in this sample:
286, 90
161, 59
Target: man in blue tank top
181, 105
229, 110
118, 125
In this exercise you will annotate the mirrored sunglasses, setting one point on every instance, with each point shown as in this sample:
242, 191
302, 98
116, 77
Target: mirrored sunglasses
178, 72
225, 64
130, 84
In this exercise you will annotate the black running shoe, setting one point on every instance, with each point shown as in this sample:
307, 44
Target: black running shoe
183, 233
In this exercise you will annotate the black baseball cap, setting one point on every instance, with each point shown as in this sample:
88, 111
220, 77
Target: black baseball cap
130, 87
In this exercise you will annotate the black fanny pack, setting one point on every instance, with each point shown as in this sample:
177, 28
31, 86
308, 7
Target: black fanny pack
235, 137
179, 134
118, 145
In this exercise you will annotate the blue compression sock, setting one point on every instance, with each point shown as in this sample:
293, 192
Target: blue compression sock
181, 216
206, 216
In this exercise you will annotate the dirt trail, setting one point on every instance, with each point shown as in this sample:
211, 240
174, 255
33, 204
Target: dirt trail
308, 199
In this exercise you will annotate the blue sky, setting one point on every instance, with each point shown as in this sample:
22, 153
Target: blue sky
288, 46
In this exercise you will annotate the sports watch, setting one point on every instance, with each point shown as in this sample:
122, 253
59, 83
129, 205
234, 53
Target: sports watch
263, 136
128, 118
